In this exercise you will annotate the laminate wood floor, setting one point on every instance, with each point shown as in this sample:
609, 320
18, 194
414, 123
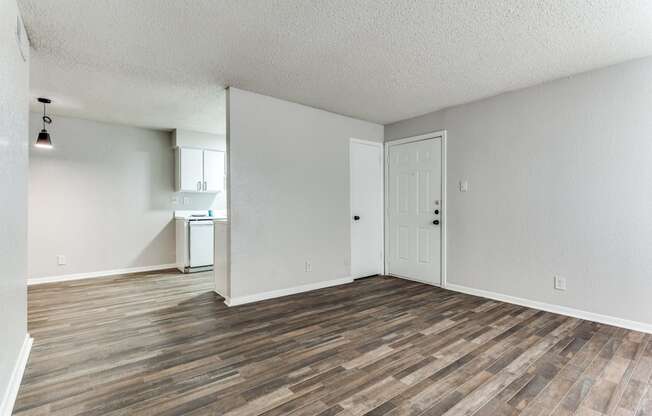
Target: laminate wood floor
165, 344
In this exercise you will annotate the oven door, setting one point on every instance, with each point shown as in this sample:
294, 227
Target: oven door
200, 243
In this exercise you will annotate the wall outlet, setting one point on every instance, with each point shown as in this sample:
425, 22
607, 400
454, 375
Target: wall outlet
308, 266
61, 260
186, 200
464, 186
560, 283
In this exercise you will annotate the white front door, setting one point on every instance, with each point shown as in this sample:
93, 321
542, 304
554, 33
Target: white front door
366, 208
414, 212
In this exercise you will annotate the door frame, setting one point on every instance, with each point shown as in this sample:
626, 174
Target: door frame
441, 134
381, 187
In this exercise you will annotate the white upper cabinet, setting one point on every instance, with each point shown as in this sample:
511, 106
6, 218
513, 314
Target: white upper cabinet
213, 170
199, 170
190, 169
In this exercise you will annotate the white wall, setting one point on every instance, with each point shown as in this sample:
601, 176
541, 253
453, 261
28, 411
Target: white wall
560, 183
14, 101
289, 192
191, 138
103, 198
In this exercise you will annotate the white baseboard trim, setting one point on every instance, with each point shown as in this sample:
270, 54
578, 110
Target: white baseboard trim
92, 275
226, 298
548, 307
285, 292
412, 279
9, 396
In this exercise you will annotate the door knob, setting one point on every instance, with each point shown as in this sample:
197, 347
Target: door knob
436, 222
436, 212
356, 217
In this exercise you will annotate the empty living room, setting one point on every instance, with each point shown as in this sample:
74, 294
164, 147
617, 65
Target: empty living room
325, 207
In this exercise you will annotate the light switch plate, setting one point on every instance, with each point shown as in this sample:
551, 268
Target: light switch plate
186, 200
464, 186
61, 260
560, 283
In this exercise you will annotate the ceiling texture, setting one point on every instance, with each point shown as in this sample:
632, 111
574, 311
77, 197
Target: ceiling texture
164, 63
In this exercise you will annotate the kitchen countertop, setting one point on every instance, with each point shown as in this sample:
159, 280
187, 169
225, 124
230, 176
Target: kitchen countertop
185, 215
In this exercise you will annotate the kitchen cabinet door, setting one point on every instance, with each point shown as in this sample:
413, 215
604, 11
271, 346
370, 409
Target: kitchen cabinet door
213, 171
190, 169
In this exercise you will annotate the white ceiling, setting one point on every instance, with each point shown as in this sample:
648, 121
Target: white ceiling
162, 63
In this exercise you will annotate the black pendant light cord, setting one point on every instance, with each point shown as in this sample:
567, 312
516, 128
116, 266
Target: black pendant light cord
46, 119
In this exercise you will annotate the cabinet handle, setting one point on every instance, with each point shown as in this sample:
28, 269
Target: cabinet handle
205, 186
199, 185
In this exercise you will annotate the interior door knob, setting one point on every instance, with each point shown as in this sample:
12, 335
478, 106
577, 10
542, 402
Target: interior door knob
436, 222
356, 217
436, 212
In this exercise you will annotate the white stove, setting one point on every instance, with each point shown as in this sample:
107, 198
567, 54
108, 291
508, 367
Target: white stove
194, 215
194, 237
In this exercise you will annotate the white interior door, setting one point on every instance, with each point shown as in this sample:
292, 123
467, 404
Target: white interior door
213, 170
414, 214
366, 208
191, 169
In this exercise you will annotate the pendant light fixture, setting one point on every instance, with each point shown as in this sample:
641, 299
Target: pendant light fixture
43, 139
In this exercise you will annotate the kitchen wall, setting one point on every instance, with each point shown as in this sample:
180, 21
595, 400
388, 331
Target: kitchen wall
189, 138
103, 198
559, 179
289, 192
14, 102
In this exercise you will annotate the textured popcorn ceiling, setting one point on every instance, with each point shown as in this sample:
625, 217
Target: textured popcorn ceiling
162, 63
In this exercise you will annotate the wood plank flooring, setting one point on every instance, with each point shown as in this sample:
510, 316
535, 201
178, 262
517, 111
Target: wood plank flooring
165, 344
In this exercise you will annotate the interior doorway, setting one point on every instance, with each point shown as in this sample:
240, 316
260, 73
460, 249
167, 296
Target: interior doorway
367, 249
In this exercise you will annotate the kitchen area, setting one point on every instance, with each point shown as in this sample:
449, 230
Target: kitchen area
200, 174
144, 199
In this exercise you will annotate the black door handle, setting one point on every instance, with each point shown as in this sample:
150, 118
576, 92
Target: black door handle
356, 217
436, 222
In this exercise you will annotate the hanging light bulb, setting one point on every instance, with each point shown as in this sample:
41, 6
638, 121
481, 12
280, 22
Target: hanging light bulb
43, 139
